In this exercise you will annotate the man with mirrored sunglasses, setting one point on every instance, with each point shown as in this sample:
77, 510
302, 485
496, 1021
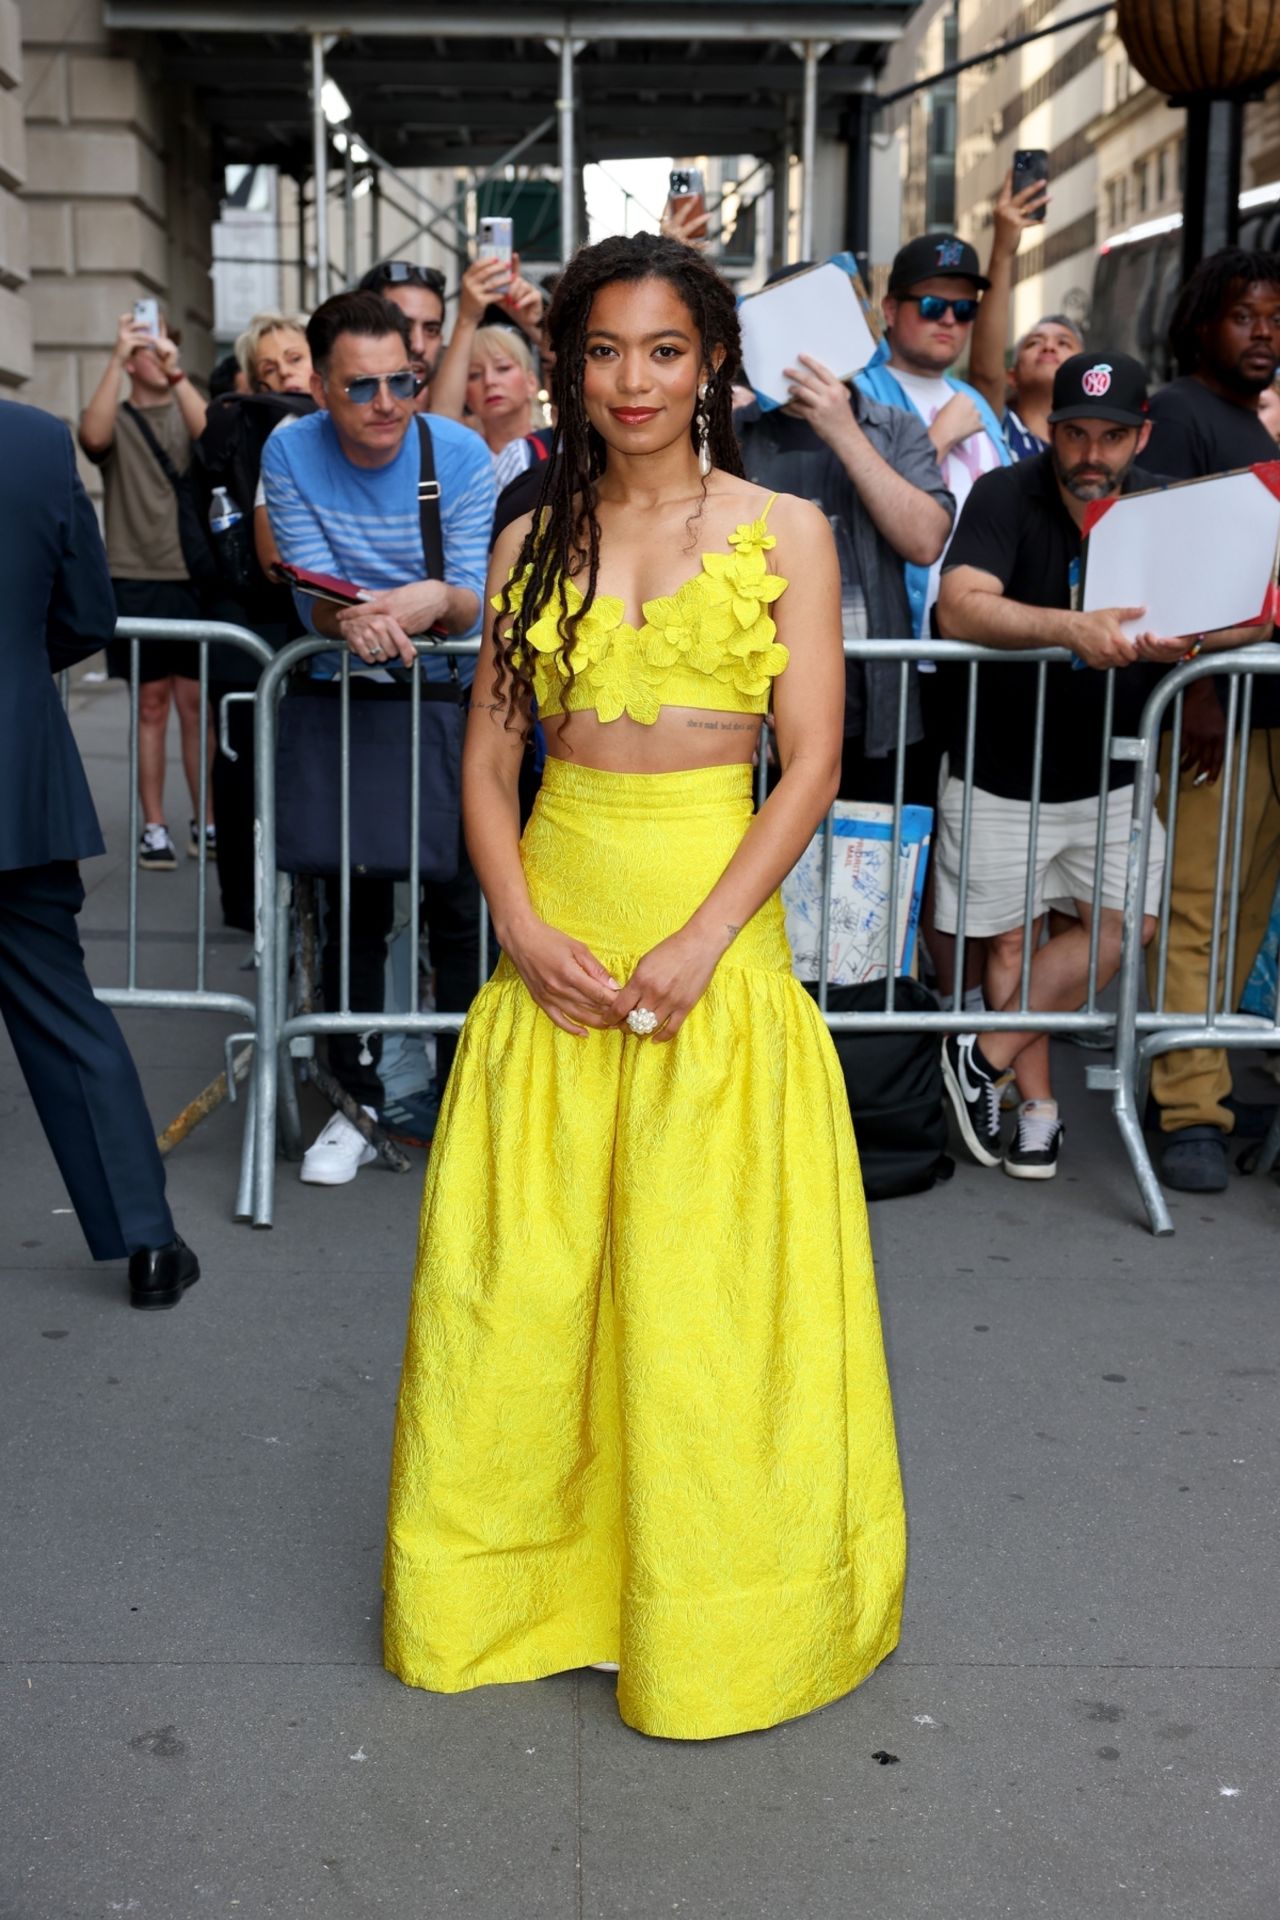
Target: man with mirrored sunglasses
342, 494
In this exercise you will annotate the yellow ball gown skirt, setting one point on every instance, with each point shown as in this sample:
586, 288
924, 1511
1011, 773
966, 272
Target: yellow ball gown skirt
644, 1414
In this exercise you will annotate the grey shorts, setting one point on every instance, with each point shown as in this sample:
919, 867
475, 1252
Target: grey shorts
1066, 858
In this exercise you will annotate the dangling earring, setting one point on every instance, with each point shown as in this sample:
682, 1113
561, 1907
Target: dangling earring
703, 429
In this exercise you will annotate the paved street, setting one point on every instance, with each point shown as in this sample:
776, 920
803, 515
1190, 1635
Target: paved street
1084, 1712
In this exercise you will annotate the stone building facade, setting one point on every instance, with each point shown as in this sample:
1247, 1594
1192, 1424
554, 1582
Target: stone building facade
106, 195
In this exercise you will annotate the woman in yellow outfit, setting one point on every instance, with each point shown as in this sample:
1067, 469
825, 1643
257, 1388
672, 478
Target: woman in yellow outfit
644, 1416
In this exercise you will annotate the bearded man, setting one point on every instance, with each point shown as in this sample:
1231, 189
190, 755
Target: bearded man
1009, 581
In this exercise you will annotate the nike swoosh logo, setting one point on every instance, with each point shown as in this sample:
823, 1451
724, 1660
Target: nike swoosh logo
968, 1088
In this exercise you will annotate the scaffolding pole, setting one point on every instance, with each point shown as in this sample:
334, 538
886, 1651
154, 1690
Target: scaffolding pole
811, 52
319, 166
568, 184
348, 214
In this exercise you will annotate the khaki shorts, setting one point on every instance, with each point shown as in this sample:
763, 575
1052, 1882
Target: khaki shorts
1066, 852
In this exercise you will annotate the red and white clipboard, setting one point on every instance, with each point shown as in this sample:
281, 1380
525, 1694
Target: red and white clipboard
1197, 556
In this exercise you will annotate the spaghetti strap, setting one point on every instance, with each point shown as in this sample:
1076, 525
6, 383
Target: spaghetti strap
768, 503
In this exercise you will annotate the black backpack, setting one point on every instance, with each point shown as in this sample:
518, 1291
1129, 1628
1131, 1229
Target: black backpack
229, 454
894, 1084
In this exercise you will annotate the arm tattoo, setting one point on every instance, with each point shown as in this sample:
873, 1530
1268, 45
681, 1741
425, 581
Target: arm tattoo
731, 930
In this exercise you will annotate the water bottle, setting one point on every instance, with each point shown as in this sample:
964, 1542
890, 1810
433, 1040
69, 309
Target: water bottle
223, 513
229, 535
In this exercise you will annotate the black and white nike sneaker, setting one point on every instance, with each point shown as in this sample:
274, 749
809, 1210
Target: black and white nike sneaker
1033, 1152
974, 1093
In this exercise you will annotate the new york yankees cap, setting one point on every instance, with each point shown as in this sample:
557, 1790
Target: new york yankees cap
1101, 386
931, 255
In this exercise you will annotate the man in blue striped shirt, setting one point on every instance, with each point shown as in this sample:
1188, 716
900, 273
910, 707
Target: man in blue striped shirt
341, 491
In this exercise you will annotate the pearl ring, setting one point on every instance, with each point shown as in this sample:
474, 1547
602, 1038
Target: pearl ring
641, 1020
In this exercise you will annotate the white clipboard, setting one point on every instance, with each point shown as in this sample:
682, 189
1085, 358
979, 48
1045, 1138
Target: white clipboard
1197, 556
821, 312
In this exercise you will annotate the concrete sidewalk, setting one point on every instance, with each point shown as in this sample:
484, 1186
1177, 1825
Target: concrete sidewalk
1085, 1708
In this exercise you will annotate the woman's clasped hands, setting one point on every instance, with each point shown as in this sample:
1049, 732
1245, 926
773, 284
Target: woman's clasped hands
577, 992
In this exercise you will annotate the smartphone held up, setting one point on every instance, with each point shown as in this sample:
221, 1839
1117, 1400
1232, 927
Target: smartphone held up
494, 241
687, 201
146, 317
1031, 169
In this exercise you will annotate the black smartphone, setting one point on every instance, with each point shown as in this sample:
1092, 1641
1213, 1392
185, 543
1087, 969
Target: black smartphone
1030, 164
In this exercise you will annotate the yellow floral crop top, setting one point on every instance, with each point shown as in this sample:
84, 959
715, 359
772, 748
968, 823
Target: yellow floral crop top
711, 644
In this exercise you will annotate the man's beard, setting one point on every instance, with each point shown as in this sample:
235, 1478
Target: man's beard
1243, 381
1099, 484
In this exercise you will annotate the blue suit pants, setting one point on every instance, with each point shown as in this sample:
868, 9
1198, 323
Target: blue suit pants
77, 1066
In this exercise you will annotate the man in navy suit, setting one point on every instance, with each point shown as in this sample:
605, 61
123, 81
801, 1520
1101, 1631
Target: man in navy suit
58, 608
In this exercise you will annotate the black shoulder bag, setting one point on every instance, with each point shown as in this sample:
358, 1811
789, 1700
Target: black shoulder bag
202, 568
309, 743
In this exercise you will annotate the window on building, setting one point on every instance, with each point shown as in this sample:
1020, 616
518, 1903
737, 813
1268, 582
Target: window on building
1162, 176
1144, 174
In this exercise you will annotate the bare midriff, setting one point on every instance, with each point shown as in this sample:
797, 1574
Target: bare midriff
680, 740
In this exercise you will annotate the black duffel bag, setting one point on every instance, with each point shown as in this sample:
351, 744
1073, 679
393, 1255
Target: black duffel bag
894, 1084
308, 786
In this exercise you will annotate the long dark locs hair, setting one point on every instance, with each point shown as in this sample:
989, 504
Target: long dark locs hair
564, 539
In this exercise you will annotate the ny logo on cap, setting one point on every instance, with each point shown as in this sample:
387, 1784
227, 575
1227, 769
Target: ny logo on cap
951, 253
1097, 380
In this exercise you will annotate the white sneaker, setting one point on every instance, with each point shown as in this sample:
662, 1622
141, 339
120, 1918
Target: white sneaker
337, 1153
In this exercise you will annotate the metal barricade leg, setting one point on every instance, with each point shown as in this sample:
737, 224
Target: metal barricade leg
1127, 1070
289, 1117
244, 1185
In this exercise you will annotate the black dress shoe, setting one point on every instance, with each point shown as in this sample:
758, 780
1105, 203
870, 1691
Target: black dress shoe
159, 1276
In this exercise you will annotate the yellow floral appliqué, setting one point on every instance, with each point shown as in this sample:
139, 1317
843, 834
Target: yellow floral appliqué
714, 632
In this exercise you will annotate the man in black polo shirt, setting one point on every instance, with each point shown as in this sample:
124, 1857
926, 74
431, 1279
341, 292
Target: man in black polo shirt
1009, 581
1225, 332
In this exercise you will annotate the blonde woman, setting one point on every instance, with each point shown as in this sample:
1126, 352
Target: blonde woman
487, 374
273, 354
502, 389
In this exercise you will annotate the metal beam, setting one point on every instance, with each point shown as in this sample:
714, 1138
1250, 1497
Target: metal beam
734, 79
385, 120
848, 23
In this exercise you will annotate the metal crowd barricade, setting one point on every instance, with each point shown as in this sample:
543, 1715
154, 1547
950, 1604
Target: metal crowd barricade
1142, 1034
199, 996
273, 1076
285, 1032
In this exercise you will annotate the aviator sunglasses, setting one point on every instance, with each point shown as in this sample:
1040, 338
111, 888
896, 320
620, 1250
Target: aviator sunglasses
932, 307
404, 385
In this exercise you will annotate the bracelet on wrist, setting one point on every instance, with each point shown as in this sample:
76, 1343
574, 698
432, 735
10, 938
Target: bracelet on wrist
176, 378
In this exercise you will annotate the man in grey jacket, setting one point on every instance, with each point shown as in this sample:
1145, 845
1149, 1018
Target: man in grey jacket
873, 471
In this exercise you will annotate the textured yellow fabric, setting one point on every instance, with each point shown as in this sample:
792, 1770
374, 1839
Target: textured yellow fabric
710, 644
644, 1414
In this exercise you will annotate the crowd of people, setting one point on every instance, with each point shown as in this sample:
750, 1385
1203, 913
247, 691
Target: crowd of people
956, 506
644, 1420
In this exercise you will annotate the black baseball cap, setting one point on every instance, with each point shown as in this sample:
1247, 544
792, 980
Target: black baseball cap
1101, 386
934, 254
